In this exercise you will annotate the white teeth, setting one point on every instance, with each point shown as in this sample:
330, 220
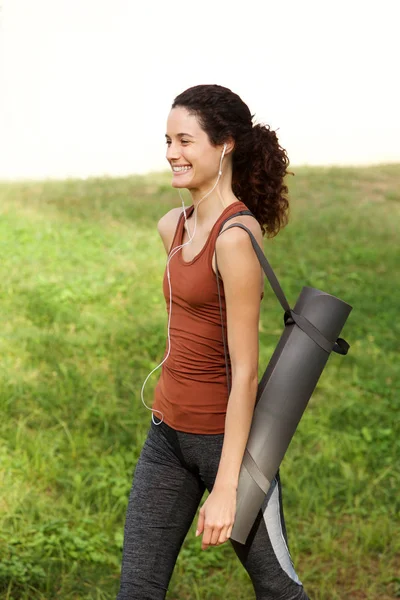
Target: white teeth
181, 168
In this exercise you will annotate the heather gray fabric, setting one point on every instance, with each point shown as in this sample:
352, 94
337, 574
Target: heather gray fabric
172, 473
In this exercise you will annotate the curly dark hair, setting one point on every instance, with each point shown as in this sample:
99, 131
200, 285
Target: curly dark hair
259, 164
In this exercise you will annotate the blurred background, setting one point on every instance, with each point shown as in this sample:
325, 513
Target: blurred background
87, 85
86, 88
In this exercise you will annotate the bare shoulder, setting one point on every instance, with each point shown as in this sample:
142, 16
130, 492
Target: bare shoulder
166, 226
236, 242
237, 235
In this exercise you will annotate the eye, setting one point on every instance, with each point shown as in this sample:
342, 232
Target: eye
182, 141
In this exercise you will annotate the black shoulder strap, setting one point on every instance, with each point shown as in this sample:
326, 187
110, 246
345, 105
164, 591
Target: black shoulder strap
340, 346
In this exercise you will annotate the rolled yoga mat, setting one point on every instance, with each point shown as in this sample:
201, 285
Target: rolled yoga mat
310, 334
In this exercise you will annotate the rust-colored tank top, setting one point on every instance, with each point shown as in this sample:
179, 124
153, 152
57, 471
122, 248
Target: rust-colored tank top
192, 391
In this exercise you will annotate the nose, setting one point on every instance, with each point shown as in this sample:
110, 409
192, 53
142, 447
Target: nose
172, 152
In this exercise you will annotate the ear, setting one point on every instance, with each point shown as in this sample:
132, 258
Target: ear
230, 145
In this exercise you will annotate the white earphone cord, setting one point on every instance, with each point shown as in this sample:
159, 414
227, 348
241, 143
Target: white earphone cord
171, 254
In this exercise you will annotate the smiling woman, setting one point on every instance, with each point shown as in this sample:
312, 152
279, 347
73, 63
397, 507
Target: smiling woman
234, 171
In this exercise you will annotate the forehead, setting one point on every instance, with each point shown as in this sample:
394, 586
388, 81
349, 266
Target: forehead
180, 120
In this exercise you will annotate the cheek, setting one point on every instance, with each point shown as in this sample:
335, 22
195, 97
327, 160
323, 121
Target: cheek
190, 154
201, 162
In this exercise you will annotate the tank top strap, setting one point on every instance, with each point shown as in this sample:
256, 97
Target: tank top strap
179, 227
230, 211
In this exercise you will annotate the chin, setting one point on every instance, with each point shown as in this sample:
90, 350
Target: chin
175, 184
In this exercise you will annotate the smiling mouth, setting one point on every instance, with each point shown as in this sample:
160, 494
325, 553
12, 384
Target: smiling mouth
180, 170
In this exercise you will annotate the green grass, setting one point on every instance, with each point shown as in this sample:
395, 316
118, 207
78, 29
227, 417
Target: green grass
84, 322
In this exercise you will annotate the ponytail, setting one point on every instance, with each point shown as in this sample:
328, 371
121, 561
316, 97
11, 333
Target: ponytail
259, 168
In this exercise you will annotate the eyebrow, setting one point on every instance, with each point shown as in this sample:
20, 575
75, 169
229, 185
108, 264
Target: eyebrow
180, 134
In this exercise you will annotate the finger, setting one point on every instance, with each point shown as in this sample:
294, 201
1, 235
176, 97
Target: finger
200, 524
223, 536
206, 537
216, 531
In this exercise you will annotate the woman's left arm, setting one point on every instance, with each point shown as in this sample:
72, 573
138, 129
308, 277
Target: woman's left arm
240, 270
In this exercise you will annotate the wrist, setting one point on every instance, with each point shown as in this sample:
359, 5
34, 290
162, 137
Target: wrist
227, 486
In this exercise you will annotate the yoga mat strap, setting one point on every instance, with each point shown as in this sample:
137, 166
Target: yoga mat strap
258, 476
312, 332
341, 346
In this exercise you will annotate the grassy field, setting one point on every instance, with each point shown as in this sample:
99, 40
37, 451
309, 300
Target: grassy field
84, 322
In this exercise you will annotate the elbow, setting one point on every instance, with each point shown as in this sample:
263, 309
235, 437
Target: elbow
245, 377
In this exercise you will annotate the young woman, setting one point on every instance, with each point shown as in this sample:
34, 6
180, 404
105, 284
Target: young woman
198, 432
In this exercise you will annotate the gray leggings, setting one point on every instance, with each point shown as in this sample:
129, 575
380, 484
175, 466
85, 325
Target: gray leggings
170, 478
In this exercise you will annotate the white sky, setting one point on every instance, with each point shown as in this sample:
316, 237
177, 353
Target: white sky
86, 85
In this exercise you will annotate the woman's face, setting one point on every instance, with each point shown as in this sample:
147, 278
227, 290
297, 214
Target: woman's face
188, 145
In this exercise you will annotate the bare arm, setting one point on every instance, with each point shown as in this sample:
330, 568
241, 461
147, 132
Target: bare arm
240, 270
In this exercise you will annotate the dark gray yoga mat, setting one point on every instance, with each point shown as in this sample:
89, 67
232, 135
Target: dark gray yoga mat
310, 335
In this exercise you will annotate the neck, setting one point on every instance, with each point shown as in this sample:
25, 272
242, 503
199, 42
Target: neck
209, 209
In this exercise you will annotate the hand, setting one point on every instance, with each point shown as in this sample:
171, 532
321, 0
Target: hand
216, 517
